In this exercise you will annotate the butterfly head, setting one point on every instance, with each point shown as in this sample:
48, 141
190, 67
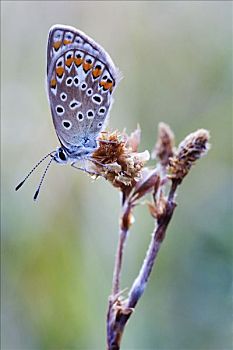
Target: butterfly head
61, 156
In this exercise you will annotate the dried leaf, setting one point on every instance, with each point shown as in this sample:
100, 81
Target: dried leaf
134, 139
149, 182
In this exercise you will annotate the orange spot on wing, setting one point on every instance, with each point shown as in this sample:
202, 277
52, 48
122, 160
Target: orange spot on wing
96, 72
60, 71
87, 66
106, 85
78, 61
69, 61
56, 45
53, 83
67, 42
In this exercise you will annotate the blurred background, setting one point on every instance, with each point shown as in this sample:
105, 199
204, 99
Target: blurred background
58, 253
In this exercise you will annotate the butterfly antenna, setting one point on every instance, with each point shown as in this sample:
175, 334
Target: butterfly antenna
22, 182
42, 179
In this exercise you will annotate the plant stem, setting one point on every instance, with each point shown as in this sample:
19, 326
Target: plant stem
158, 235
118, 262
124, 229
118, 312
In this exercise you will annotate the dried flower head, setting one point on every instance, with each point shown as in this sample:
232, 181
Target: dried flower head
193, 147
117, 161
164, 147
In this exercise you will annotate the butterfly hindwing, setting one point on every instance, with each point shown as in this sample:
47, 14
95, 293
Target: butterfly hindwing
80, 80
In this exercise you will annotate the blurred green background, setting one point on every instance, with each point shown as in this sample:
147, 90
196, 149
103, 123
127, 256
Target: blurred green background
58, 253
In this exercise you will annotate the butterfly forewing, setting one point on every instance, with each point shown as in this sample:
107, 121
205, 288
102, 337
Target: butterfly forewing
80, 80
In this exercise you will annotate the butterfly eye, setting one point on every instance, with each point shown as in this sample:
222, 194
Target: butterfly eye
62, 154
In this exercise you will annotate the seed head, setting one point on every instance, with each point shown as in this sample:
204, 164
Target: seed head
193, 147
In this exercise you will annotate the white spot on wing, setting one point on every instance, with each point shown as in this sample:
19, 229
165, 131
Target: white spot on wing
69, 81
57, 36
60, 109
78, 40
68, 55
96, 98
63, 96
89, 92
83, 86
69, 36
74, 104
80, 116
67, 124
76, 80
102, 110
90, 114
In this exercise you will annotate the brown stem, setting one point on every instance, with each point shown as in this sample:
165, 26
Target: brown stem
158, 235
119, 312
118, 262
124, 228
172, 192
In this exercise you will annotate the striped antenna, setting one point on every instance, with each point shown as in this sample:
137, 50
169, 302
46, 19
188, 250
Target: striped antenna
42, 179
22, 182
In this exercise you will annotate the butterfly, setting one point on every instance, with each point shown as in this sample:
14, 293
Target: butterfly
81, 79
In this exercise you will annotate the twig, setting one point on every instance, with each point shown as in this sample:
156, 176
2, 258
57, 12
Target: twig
120, 248
119, 312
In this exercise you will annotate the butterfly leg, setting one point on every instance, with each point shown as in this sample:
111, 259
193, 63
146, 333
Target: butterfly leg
106, 166
83, 169
108, 142
92, 173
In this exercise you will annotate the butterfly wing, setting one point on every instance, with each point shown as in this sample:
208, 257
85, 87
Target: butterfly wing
81, 78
